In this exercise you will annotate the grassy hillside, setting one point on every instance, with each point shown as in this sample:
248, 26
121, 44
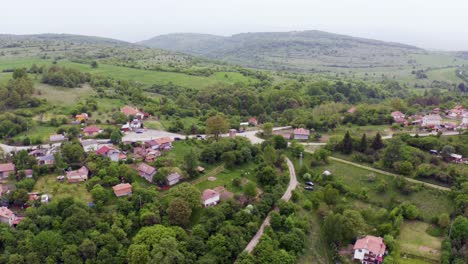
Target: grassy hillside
305, 50
325, 54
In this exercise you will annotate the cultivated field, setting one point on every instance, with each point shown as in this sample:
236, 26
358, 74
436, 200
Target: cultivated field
414, 241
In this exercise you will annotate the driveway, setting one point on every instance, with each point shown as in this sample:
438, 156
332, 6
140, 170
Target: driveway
286, 197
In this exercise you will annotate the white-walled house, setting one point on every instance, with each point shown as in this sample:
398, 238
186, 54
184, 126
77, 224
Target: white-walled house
7, 216
369, 249
210, 197
433, 120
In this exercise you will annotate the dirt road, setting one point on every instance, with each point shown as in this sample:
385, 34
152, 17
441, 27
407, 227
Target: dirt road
286, 196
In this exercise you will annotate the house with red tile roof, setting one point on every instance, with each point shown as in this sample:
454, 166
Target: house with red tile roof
91, 130
131, 111
81, 117
110, 152
122, 189
301, 134
164, 143
79, 175
253, 121
210, 197
6, 169
146, 171
352, 110
397, 115
7, 216
369, 249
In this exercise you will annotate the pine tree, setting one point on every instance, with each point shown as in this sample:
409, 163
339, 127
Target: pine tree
347, 144
363, 143
377, 142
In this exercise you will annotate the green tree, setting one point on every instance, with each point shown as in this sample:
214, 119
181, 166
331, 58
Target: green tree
191, 163
138, 254
444, 220
446, 151
393, 152
377, 142
116, 136
250, 190
188, 193
347, 144
179, 212
267, 129
363, 143
216, 125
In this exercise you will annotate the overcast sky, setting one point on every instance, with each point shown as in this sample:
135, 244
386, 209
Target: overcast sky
432, 24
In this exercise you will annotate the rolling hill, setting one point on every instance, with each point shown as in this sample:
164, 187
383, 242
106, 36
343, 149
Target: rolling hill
297, 51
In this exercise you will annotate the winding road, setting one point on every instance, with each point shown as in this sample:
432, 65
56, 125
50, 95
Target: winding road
286, 197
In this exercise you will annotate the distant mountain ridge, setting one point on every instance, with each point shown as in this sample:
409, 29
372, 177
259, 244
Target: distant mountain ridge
295, 50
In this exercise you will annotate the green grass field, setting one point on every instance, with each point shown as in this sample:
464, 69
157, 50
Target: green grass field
416, 242
429, 201
146, 77
225, 178
49, 184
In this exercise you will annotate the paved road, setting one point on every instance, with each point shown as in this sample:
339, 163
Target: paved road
286, 196
390, 174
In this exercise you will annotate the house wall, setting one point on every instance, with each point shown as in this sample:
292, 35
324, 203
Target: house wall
212, 201
301, 137
359, 253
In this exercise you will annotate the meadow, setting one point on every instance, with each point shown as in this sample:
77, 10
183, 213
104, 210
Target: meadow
417, 244
48, 184
430, 202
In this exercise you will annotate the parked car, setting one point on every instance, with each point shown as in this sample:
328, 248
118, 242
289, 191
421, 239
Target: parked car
177, 139
139, 131
309, 188
309, 183
60, 178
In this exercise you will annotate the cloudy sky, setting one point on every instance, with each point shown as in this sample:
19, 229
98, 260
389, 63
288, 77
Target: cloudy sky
431, 24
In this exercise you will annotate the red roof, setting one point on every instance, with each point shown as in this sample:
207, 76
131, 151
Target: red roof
122, 189
372, 244
352, 110
5, 212
163, 140
208, 194
7, 167
145, 168
253, 120
91, 129
103, 150
397, 113
128, 110
301, 131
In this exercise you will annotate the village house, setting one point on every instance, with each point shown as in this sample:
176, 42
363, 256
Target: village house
28, 173
173, 178
79, 175
352, 110
38, 153
301, 134
253, 121
57, 138
464, 122
110, 152
89, 145
91, 130
164, 143
397, 115
48, 160
146, 171
432, 120
131, 126
7, 216
456, 112
81, 117
232, 133
6, 169
152, 155
131, 111
456, 158
210, 197
122, 189
369, 249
